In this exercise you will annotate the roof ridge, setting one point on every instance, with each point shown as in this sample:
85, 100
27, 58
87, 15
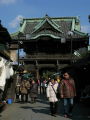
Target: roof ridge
73, 25
38, 18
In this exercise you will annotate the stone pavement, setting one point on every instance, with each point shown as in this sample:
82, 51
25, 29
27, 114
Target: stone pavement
40, 111
28, 111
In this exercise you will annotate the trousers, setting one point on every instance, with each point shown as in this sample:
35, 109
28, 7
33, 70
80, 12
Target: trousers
68, 104
53, 107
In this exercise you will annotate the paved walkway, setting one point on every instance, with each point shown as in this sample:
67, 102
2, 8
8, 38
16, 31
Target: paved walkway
28, 111
40, 111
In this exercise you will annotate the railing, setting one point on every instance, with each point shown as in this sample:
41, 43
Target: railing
48, 56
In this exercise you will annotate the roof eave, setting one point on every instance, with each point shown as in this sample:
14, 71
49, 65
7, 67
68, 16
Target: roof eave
80, 33
45, 35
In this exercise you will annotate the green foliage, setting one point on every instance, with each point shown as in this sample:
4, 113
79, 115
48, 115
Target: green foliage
47, 74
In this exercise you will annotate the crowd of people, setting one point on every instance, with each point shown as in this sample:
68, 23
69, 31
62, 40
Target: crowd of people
27, 88
54, 89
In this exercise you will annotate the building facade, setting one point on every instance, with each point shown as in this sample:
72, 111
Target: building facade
49, 43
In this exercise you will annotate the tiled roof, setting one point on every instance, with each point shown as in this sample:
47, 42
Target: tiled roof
29, 27
58, 27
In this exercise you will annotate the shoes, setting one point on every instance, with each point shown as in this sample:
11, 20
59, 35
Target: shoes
66, 116
32, 102
53, 115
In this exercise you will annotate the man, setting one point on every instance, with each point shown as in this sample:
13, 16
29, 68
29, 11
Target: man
68, 92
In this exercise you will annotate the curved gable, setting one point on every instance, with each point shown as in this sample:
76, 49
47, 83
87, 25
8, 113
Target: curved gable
47, 23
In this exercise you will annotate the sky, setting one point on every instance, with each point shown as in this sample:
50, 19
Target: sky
12, 11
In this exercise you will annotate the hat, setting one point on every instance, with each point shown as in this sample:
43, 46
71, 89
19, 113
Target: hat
51, 79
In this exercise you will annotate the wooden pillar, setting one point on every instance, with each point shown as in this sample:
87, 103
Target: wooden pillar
57, 65
37, 71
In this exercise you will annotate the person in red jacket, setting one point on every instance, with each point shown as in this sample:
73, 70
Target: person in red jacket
68, 92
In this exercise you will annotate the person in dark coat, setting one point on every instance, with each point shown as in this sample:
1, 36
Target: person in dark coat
33, 91
68, 92
17, 91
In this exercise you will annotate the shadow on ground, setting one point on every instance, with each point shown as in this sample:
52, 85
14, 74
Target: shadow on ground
38, 109
81, 111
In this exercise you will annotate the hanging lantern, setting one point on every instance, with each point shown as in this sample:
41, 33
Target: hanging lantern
63, 40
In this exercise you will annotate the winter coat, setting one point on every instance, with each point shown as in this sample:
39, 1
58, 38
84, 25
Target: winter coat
17, 89
25, 85
34, 90
67, 88
50, 92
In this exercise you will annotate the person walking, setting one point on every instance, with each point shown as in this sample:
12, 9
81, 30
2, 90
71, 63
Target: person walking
17, 91
33, 91
68, 92
24, 88
51, 95
44, 86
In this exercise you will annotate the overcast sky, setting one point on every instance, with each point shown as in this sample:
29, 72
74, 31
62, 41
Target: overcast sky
11, 11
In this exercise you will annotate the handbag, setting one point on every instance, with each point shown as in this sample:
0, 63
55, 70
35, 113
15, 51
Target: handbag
56, 93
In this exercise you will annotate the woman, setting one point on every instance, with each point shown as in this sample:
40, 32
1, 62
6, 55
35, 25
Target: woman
68, 92
25, 85
51, 95
33, 91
